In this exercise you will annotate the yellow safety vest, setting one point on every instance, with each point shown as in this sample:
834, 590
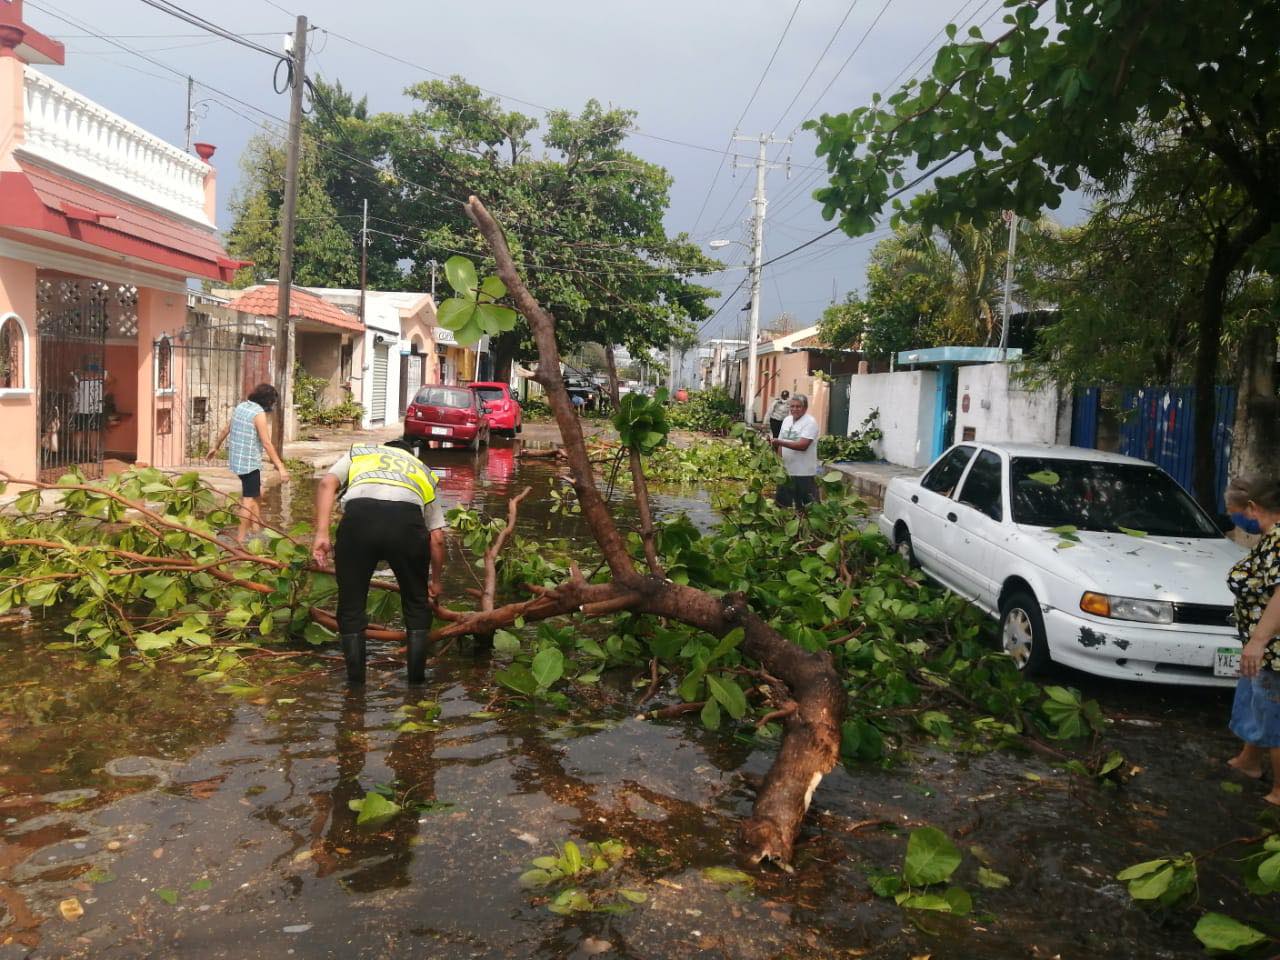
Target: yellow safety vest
391, 466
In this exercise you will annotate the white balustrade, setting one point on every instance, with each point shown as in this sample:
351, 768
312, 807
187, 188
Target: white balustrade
65, 128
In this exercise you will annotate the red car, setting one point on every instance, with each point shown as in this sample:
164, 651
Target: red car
504, 409
453, 415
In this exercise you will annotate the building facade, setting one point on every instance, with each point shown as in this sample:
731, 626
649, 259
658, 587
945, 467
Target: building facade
101, 226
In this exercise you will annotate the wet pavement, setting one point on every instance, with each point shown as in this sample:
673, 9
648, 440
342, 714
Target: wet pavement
188, 823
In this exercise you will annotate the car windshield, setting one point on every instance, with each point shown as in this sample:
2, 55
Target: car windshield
489, 393
1102, 496
443, 397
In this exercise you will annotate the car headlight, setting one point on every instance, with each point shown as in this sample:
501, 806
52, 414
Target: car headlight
1127, 608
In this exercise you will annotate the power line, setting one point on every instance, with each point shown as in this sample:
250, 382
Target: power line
173, 10
752, 99
901, 190
816, 63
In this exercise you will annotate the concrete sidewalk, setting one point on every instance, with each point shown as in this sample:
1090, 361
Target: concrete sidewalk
870, 479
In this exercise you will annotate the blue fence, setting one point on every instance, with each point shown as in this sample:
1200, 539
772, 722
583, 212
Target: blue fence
1158, 424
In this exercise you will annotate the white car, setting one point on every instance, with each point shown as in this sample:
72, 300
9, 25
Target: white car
1092, 560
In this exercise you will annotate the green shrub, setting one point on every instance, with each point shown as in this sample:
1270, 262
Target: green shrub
710, 411
856, 446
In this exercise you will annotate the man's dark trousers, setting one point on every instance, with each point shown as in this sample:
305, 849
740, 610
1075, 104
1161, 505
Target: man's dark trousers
371, 531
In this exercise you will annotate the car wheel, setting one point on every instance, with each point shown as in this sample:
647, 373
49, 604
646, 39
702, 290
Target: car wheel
1022, 633
902, 543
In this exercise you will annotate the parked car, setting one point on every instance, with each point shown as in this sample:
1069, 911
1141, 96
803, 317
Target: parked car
1093, 560
504, 409
452, 415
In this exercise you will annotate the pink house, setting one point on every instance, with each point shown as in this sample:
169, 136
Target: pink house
101, 226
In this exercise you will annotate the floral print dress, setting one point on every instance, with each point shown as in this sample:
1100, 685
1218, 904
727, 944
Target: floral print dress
1255, 714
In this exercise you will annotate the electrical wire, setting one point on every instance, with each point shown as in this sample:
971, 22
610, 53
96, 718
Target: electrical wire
816, 63
742, 116
173, 10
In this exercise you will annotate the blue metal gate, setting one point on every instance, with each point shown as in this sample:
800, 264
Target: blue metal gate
1084, 418
1159, 426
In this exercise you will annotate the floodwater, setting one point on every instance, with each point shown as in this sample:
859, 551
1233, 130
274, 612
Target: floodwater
186, 823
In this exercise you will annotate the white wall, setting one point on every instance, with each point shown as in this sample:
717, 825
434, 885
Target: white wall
905, 400
1001, 408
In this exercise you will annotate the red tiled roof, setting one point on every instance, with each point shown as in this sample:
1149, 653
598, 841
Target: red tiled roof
264, 302
39, 199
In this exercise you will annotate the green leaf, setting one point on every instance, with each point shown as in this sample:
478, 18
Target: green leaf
1130, 532
455, 314
924, 901
1049, 479
494, 319
729, 695
492, 286
202, 884
931, 857
1269, 871
168, 895
506, 642
992, 880
1219, 932
548, 667
728, 876
1151, 885
375, 810
635, 896
1229, 787
461, 274
532, 879
572, 857
885, 884
518, 678
960, 901
711, 715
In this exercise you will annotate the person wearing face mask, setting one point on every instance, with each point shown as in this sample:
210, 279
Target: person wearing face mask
1255, 581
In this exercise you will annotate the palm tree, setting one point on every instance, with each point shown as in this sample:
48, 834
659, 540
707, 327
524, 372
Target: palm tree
965, 268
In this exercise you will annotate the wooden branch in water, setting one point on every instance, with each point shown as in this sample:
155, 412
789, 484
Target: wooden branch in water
495, 548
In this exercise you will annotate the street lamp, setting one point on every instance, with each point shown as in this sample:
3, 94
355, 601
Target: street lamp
748, 413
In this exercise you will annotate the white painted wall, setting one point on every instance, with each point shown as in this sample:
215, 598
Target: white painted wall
905, 400
383, 320
1001, 408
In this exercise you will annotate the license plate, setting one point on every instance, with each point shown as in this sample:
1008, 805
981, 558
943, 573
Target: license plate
1226, 662
440, 431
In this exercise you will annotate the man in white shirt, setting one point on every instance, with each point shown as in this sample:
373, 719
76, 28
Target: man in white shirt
797, 441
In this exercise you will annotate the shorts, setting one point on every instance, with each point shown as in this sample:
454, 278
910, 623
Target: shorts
796, 492
1255, 712
250, 484
86, 422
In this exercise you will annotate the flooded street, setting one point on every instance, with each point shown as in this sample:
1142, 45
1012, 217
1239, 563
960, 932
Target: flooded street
189, 823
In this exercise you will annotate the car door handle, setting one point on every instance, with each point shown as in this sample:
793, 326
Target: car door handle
952, 517
914, 498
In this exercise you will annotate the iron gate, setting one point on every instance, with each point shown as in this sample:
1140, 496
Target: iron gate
75, 316
200, 376
838, 408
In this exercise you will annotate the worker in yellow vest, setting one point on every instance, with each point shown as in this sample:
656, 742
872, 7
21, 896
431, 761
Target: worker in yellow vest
390, 512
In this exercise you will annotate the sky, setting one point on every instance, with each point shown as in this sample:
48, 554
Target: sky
688, 67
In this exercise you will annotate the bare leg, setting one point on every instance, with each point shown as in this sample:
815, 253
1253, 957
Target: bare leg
248, 518
1249, 761
1274, 795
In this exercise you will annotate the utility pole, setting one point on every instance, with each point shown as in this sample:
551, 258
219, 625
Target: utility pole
671, 367
762, 166
1011, 219
191, 110
297, 81
364, 257
434, 265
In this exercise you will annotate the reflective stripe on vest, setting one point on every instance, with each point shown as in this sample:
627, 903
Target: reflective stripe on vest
391, 466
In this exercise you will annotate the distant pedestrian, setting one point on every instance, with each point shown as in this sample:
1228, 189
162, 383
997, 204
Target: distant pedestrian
778, 412
578, 401
247, 437
797, 442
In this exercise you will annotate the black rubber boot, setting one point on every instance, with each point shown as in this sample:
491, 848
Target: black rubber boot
353, 652
417, 655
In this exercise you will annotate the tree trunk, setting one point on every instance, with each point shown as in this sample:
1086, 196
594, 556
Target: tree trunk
1255, 441
1208, 350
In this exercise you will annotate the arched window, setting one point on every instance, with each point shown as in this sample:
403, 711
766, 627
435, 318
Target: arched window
164, 365
15, 355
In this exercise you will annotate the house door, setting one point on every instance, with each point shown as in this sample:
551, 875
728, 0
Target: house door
378, 395
256, 367
838, 410
410, 378
75, 385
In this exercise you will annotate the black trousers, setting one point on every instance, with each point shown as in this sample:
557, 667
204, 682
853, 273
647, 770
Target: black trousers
796, 492
371, 531
775, 427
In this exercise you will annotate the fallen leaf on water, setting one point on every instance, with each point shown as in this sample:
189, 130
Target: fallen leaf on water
297, 928
593, 945
303, 855
168, 895
70, 909
204, 883
157, 853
